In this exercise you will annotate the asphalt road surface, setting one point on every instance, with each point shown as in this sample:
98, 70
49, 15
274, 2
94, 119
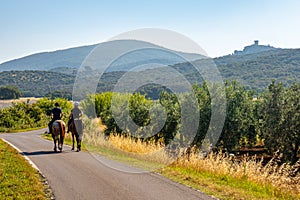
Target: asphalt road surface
81, 175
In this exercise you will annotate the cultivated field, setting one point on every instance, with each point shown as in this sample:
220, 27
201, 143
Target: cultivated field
6, 103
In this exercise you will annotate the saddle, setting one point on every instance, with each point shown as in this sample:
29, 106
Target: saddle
58, 124
78, 125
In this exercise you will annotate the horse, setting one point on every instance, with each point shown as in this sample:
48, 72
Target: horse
58, 134
76, 128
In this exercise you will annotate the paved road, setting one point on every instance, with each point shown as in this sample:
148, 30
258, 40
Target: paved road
80, 175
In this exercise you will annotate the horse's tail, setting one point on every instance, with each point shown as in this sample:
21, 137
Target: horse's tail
55, 129
62, 128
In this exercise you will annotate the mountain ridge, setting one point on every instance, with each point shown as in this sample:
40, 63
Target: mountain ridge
73, 57
254, 71
67, 58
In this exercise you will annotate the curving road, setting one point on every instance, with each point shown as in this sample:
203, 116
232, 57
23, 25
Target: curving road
73, 175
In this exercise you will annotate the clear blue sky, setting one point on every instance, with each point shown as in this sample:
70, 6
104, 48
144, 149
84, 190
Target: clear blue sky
218, 26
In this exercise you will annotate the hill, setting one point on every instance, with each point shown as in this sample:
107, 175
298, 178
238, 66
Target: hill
33, 83
254, 70
73, 57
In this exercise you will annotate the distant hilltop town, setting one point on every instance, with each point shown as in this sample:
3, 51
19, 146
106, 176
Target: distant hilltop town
254, 48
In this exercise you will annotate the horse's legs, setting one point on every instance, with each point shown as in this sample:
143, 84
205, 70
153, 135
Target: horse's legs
79, 145
55, 147
78, 141
73, 140
61, 142
54, 140
58, 143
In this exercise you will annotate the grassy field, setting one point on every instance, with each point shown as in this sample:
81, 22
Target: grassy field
6, 103
18, 180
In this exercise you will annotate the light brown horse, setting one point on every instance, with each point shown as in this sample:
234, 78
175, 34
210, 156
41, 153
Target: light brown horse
58, 134
76, 128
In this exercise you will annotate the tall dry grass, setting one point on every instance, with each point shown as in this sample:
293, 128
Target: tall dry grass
283, 177
132, 147
94, 132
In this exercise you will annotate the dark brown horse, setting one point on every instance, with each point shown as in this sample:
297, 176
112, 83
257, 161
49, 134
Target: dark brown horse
58, 134
76, 128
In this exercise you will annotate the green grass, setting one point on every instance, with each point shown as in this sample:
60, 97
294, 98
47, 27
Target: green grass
224, 187
18, 180
10, 130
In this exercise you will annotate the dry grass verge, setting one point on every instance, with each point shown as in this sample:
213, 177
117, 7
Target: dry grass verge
221, 175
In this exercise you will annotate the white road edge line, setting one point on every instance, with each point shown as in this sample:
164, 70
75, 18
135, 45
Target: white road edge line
26, 157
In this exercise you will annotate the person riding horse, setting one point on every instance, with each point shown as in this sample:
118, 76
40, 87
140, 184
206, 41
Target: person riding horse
75, 126
75, 115
56, 115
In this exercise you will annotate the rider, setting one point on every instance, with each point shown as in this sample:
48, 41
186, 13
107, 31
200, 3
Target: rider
75, 114
56, 115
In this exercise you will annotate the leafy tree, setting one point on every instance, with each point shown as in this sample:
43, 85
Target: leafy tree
292, 123
101, 103
10, 92
281, 122
204, 103
172, 108
274, 117
59, 94
239, 127
139, 109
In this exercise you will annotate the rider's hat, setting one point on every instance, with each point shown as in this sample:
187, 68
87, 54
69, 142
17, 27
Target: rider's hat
76, 103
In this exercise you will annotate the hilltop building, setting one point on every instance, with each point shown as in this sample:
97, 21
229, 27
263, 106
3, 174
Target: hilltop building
254, 48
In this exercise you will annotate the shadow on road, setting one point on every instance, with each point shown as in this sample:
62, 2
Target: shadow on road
37, 153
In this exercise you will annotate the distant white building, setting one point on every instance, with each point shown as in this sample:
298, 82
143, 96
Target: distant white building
254, 48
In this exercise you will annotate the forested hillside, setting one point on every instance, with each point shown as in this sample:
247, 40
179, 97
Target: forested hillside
46, 83
257, 72
254, 71
37, 83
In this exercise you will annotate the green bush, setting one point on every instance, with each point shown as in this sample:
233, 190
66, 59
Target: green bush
23, 115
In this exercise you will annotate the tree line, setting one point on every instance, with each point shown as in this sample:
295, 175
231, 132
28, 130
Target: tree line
271, 118
10, 92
